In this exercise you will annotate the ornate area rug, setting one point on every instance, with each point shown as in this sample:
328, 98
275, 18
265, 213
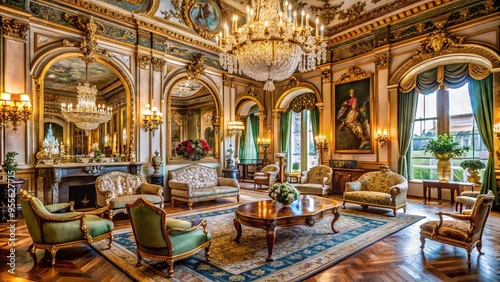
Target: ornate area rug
299, 252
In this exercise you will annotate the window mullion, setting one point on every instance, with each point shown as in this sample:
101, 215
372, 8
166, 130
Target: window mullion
443, 111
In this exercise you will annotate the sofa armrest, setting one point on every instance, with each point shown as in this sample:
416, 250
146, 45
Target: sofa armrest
398, 193
228, 182
108, 196
352, 186
470, 194
260, 174
148, 188
179, 185
303, 178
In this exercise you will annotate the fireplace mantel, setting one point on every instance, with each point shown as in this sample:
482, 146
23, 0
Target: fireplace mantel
53, 180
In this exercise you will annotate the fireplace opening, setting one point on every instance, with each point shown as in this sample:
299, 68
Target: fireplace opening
84, 196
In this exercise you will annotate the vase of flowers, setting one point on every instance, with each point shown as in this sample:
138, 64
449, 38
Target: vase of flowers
444, 148
193, 149
473, 167
284, 193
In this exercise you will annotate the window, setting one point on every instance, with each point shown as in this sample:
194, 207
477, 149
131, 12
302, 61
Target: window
456, 120
301, 129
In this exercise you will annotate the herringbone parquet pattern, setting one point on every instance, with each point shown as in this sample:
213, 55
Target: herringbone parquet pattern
396, 258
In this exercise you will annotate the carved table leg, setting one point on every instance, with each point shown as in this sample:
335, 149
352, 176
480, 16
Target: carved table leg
271, 237
237, 226
336, 216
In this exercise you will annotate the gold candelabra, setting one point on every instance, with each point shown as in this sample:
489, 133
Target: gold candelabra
153, 118
264, 143
321, 146
382, 139
14, 108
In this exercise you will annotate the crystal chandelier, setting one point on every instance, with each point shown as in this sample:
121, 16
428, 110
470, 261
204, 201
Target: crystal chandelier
272, 44
86, 115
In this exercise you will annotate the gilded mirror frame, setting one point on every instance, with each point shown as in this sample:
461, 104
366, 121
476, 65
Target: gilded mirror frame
39, 71
213, 156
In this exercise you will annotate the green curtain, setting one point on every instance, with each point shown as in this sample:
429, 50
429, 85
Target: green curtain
314, 114
481, 96
407, 108
242, 141
254, 121
285, 130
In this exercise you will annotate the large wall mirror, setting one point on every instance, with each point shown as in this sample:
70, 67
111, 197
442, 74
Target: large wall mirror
193, 114
60, 83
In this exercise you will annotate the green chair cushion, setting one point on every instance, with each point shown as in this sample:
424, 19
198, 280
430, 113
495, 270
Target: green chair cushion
177, 223
182, 243
120, 202
63, 232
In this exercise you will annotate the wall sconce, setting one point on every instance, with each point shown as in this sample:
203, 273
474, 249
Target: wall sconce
235, 128
321, 146
152, 118
14, 108
264, 143
496, 130
382, 139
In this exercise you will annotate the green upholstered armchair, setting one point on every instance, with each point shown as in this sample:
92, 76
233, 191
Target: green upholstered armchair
158, 237
465, 231
58, 226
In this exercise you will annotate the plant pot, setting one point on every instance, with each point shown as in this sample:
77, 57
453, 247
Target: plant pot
474, 176
444, 170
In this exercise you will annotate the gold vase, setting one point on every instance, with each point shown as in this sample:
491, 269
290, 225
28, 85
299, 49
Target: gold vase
444, 170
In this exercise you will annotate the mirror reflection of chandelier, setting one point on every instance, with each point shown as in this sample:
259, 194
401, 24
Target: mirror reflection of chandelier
272, 44
86, 115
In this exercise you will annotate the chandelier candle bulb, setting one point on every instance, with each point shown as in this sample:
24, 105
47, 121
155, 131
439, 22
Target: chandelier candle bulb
294, 19
322, 31
248, 15
302, 19
316, 26
307, 21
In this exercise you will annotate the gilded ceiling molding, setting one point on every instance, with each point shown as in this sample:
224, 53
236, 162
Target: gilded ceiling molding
292, 82
143, 61
158, 64
197, 67
326, 76
14, 28
172, 34
306, 101
353, 73
170, 68
88, 46
228, 80
442, 44
251, 91
381, 60
93, 6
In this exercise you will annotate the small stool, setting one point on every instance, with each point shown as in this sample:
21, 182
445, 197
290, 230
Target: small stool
467, 198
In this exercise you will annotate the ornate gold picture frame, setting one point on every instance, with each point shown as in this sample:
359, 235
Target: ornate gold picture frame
353, 112
204, 16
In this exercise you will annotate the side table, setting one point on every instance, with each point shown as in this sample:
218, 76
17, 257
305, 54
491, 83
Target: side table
157, 179
452, 186
231, 173
293, 176
9, 188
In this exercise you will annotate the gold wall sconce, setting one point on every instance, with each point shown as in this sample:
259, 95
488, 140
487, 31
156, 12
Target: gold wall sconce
382, 139
15, 108
321, 146
153, 118
264, 143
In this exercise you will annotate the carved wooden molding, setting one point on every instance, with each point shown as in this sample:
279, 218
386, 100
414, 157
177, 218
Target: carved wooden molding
353, 73
14, 28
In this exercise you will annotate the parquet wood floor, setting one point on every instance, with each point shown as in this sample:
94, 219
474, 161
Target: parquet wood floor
395, 258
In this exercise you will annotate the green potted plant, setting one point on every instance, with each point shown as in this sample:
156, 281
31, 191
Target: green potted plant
295, 167
9, 164
473, 167
444, 148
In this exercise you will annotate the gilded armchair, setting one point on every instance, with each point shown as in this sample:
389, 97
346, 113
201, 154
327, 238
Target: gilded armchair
316, 181
266, 176
58, 226
464, 232
165, 239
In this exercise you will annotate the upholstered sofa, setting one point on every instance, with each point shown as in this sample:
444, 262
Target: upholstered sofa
117, 189
383, 188
196, 183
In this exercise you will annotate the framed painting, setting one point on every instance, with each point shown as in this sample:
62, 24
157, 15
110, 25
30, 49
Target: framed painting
353, 112
205, 16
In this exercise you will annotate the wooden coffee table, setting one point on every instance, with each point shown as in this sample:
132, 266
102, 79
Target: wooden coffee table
269, 215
